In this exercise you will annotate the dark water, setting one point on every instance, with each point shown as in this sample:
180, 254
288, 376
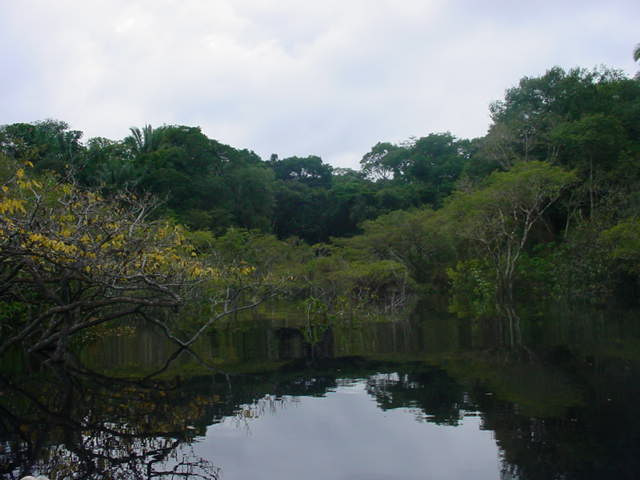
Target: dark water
551, 396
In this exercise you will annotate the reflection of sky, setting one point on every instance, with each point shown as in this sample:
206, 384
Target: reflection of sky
345, 436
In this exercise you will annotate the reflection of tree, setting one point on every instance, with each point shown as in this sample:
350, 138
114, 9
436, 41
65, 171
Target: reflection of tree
66, 426
435, 395
598, 439
267, 405
556, 411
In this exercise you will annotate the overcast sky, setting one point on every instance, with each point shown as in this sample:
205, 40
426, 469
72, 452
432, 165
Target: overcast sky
294, 77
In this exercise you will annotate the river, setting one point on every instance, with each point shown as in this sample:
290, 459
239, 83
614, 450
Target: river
278, 396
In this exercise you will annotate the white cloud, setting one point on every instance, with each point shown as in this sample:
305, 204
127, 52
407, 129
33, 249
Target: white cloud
330, 78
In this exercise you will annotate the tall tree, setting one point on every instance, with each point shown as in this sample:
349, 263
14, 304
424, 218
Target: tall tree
593, 146
499, 217
143, 140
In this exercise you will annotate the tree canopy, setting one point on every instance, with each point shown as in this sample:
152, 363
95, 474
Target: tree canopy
559, 163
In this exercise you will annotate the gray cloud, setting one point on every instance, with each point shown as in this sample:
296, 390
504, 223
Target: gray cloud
329, 78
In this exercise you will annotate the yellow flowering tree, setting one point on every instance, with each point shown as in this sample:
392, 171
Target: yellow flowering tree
71, 260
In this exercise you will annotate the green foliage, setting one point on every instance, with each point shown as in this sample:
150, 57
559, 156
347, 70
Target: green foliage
431, 165
385, 161
300, 210
109, 165
418, 239
473, 288
435, 163
49, 144
309, 170
202, 241
342, 283
263, 251
623, 244
582, 266
426, 204
497, 219
536, 274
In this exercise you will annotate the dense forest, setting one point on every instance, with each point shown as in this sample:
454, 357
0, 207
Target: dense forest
545, 205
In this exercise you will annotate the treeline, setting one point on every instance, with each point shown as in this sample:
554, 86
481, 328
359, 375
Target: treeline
545, 205
548, 198
207, 185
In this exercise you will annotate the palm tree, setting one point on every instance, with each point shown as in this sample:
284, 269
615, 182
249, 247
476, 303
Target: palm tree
143, 141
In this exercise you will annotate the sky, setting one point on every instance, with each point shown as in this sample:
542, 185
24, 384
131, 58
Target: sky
293, 77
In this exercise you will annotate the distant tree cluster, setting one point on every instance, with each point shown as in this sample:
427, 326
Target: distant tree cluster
547, 197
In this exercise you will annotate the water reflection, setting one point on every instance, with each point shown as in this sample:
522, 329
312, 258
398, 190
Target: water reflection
433, 396
68, 424
345, 435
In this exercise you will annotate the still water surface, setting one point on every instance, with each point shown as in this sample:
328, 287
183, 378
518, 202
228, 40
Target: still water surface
346, 435
271, 397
